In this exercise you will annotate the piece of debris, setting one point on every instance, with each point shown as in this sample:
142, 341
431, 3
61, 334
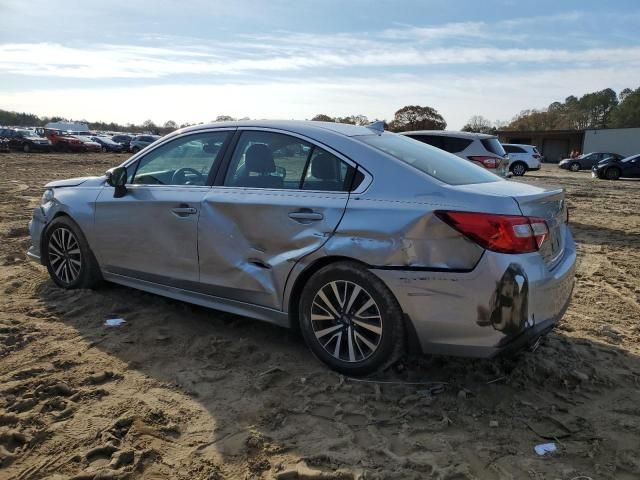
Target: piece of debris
493, 424
114, 322
545, 448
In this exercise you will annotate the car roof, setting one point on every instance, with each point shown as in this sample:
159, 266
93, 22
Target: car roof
519, 145
301, 127
449, 133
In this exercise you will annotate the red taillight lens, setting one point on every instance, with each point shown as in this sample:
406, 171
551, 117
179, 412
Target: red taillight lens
500, 233
488, 162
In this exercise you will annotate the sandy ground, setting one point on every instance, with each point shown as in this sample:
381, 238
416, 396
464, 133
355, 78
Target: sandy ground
183, 392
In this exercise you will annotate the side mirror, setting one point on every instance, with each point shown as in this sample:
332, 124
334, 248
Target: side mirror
117, 178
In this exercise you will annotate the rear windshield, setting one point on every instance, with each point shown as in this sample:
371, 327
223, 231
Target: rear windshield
494, 146
437, 163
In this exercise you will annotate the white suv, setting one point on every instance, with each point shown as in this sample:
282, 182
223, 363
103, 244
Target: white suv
481, 149
522, 158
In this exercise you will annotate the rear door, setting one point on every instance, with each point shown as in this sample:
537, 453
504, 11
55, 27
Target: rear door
151, 233
281, 198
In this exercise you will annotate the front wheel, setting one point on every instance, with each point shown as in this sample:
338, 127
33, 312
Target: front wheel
67, 256
26, 148
612, 173
574, 167
350, 319
103, 149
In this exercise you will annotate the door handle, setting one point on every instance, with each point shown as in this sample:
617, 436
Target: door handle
184, 211
305, 215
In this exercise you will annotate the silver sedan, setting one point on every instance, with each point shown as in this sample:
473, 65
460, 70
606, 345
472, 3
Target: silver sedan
367, 241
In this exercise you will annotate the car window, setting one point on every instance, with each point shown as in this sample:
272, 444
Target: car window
494, 146
433, 140
327, 172
183, 161
455, 144
443, 166
268, 160
513, 149
630, 159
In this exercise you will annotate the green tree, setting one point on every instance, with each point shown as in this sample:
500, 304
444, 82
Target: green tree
415, 117
322, 118
627, 113
170, 125
224, 118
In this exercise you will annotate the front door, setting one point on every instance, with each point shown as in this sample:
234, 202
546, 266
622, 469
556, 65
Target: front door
281, 199
151, 233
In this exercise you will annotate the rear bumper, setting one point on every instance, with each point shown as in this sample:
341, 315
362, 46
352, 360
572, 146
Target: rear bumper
505, 303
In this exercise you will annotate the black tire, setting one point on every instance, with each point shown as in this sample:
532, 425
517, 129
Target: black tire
387, 335
26, 148
103, 149
612, 173
519, 168
574, 167
88, 273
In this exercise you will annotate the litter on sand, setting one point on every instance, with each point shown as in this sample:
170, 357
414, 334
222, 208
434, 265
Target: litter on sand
114, 322
545, 448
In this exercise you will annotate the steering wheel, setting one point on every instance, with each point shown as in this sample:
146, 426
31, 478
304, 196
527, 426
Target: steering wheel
179, 177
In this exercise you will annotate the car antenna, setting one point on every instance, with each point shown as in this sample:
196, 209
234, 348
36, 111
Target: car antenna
378, 126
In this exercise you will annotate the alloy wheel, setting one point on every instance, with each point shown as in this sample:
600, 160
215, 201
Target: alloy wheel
65, 256
346, 321
574, 167
519, 169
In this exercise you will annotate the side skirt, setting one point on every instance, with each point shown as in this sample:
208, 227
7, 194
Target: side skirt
231, 306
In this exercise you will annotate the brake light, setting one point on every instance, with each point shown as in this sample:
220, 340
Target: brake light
499, 233
535, 155
488, 162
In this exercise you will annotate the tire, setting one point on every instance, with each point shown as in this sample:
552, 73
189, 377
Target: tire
103, 149
333, 335
612, 173
574, 167
518, 169
67, 256
135, 149
26, 148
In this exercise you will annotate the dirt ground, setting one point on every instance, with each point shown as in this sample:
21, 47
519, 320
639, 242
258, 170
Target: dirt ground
183, 392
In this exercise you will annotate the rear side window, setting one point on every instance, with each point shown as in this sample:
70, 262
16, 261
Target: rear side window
275, 160
433, 140
441, 165
513, 149
455, 144
494, 146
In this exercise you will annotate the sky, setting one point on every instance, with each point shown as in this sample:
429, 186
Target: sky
192, 60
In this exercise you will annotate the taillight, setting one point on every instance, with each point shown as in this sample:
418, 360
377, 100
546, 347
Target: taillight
499, 233
535, 155
488, 162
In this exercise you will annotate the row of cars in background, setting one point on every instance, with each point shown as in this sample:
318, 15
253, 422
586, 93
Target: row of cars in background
605, 165
45, 139
484, 150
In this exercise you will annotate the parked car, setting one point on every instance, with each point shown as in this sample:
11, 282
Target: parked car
106, 144
89, 144
138, 143
365, 239
483, 150
613, 168
586, 161
522, 158
25, 140
123, 140
4, 144
64, 142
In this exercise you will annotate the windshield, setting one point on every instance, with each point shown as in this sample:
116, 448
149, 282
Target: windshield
441, 165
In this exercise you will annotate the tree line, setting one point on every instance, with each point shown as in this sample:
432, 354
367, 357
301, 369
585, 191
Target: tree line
601, 109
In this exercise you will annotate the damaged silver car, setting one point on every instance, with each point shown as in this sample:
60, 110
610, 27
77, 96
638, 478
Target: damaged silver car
367, 241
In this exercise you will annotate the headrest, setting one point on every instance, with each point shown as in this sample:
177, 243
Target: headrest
258, 158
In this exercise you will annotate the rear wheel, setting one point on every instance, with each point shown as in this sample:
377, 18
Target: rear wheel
67, 256
103, 149
612, 173
574, 167
350, 320
135, 149
26, 148
518, 169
